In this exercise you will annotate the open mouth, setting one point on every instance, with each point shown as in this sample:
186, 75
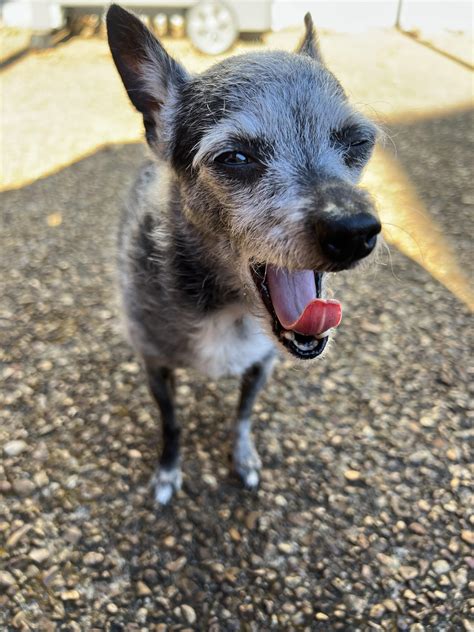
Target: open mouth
301, 318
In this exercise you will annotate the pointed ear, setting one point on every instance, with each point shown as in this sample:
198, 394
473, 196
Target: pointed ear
310, 44
149, 74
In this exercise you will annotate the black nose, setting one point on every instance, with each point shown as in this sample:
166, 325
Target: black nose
348, 238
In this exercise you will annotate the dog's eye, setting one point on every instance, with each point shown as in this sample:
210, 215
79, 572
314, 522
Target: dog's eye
359, 143
354, 144
233, 159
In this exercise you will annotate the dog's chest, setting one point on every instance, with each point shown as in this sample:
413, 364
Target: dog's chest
229, 342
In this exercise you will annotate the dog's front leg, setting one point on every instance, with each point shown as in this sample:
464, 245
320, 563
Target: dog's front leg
167, 478
246, 461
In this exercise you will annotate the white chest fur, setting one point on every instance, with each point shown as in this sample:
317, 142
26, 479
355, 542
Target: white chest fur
228, 343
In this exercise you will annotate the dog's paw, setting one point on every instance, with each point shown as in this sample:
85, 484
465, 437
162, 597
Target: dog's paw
165, 483
247, 464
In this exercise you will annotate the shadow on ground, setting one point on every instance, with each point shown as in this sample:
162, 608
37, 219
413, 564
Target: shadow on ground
362, 511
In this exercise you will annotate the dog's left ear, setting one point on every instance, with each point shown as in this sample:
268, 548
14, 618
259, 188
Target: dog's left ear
151, 76
310, 44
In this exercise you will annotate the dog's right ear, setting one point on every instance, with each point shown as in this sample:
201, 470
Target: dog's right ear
149, 74
310, 44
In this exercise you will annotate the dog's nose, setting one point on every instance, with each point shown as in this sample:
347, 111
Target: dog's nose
348, 238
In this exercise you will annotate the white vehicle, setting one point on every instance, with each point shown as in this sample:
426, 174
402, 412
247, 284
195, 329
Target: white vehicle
212, 25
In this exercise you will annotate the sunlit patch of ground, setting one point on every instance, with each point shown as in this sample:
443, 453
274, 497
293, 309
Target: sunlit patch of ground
408, 226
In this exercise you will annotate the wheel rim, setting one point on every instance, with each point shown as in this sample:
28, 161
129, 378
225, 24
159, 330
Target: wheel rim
211, 27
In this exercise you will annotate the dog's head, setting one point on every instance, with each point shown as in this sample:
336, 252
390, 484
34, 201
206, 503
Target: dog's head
268, 151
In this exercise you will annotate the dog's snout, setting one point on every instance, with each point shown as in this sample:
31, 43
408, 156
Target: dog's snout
348, 238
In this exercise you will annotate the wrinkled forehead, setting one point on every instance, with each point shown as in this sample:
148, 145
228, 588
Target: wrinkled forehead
285, 98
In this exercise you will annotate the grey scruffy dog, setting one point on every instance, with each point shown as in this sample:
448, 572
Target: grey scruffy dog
228, 232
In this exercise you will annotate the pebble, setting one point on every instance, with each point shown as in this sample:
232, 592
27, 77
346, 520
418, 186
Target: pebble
352, 475
41, 479
287, 547
70, 595
39, 555
14, 448
17, 535
23, 486
468, 536
377, 611
142, 589
134, 454
320, 616
93, 558
251, 519
7, 579
417, 528
408, 572
234, 534
441, 566
73, 535
112, 608
176, 565
188, 613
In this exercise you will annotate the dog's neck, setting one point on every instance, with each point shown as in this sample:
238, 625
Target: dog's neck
203, 273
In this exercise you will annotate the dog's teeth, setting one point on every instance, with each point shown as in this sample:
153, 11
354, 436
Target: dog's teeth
289, 335
323, 334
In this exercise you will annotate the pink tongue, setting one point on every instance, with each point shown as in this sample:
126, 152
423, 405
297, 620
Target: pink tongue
294, 300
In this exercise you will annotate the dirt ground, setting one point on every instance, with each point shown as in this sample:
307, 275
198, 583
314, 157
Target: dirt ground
363, 520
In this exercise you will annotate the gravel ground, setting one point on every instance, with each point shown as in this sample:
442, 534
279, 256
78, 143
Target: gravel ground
363, 519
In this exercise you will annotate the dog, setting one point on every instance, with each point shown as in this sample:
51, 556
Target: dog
250, 198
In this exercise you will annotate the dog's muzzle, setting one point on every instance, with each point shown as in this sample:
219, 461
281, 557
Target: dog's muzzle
344, 223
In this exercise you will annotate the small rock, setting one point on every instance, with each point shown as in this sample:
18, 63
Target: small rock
93, 558
408, 572
6, 579
70, 595
41, 479
286, 547
5, 487
390, 605
112, 608
441, 566
280, 501
352, 475
459, 578
467, 536
73, 535
377, 611
320, 616
417, 528
251, 519
17, 535
210, 480
292, 580
39, 555
176, 565
14, 448
188, 613
134, 454
234, 534
23, 486
409, 594
142, 589
232, 573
